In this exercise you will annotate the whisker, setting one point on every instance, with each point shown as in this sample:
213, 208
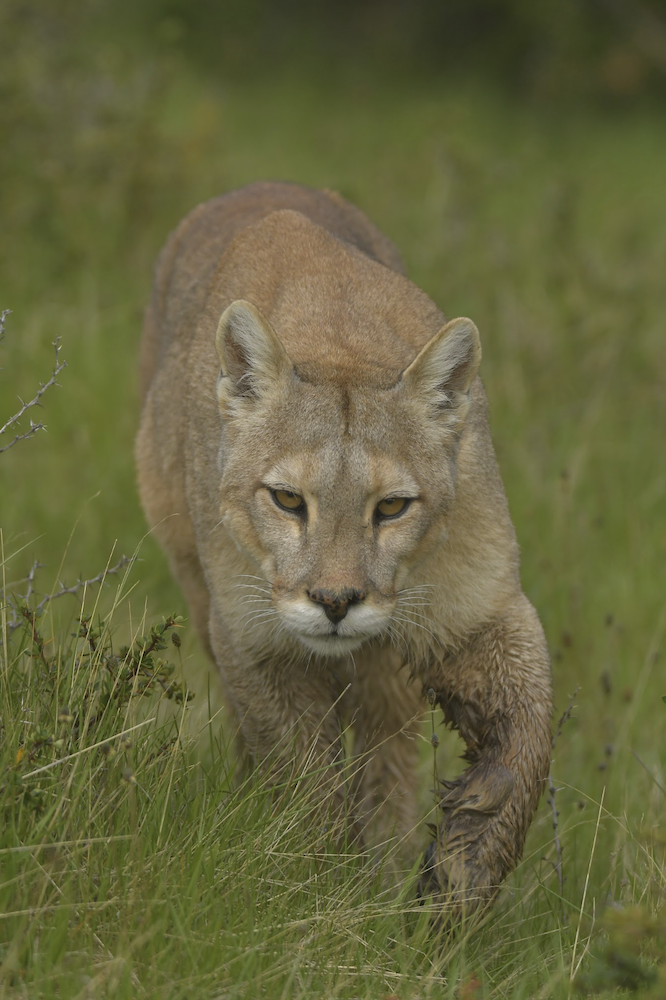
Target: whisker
259, 611
409, 621
251, 627
248, 576
255, 616
415, 599
417, 614
397, 638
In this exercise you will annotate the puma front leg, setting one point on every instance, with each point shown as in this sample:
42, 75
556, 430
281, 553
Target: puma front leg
497, 693
289, 719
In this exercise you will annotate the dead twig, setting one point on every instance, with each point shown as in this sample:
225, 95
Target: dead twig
15, 604
35, 426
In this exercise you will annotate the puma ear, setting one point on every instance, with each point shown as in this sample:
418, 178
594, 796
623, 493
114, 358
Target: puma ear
251, 355
447, 365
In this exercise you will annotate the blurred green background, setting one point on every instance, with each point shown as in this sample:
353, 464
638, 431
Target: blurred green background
515, 153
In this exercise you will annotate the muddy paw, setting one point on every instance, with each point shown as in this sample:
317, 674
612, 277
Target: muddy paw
455, 883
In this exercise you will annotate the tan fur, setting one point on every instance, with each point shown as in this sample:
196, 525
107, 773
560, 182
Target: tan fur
285, 350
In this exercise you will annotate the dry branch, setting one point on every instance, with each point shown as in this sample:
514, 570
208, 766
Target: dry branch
15, 604
35, 401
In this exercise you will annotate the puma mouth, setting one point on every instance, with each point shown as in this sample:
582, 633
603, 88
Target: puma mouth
332, 644
308, 623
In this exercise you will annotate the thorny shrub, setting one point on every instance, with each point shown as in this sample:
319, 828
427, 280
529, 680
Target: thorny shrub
66, 702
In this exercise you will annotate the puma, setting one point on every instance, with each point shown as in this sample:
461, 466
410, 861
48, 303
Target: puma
315, 458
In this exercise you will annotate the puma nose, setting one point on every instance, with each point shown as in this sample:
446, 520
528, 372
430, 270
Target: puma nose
335, 605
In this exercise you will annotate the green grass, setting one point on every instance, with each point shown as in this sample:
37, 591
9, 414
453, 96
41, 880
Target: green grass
178, 878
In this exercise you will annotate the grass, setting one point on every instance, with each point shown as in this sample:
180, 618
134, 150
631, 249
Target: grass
146, 866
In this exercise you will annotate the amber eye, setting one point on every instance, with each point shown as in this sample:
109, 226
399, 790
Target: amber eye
288, 500
392, 506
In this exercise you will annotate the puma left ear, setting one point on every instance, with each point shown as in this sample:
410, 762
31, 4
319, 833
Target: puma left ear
447, 365
251, 355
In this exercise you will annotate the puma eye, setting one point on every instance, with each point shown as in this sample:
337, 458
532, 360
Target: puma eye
289, 501
391, 507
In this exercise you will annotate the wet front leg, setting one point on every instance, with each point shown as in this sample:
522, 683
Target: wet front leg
497, 693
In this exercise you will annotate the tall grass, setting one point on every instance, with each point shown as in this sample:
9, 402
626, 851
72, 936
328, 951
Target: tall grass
135, 860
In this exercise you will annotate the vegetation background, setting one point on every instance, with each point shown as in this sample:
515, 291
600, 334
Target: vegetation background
515, 152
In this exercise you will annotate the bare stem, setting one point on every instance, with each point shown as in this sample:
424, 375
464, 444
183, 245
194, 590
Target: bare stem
35, 401
60, 592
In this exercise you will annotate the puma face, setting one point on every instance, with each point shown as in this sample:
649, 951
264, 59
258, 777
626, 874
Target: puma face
337, 505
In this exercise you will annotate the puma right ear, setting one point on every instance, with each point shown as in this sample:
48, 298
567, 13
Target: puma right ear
251, 355
445, 368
